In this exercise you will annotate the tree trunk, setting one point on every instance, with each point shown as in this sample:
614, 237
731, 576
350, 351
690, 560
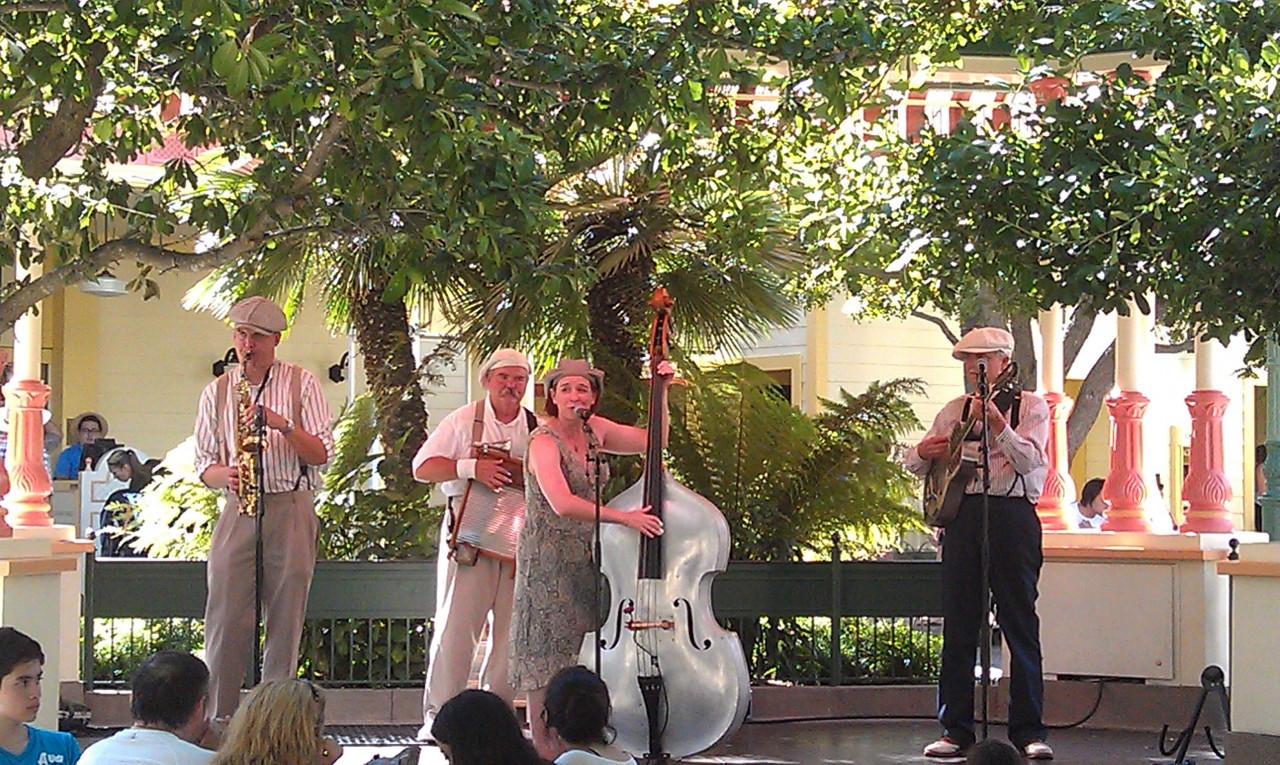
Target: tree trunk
384, 335
614, 304
1089, 399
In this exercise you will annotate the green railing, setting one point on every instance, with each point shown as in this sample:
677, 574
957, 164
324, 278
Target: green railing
368, 622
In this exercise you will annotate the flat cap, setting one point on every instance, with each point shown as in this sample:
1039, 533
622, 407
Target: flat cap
258, 314
984, 340
504, 357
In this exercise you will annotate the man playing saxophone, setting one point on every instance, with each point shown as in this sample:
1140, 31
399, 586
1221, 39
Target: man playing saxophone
297, 440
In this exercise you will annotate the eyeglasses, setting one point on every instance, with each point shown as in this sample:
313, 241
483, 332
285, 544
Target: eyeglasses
90, 430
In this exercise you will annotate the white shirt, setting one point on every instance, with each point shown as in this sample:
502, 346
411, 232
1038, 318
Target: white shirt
1019, 466
145, 746
452, 439
1087, 524
582, 757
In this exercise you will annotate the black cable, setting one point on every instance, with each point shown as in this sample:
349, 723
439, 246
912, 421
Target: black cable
1097, 703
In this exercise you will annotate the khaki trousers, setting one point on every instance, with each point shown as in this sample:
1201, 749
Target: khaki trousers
467, 597
289, 529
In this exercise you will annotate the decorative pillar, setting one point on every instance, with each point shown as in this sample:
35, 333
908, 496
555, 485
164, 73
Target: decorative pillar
1206, 487
1270, 499
29, 488
1126, 487
1059, 489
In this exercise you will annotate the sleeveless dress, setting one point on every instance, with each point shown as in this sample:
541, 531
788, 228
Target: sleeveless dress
555, 578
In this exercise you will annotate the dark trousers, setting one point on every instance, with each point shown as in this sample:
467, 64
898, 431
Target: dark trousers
1014, 574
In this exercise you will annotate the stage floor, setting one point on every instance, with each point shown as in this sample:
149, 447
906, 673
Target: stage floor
865, 742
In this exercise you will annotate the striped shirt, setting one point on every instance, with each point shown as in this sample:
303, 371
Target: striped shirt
281, 468
1019, 466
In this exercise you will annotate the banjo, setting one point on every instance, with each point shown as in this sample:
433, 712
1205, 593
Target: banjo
948, 476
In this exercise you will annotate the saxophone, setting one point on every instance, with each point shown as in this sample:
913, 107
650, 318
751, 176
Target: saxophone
248, 449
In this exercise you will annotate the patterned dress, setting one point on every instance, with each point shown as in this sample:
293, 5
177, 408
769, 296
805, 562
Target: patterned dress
555, 578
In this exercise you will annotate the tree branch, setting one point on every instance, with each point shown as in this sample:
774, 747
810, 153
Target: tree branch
45, 149
29, 295
940, 322
31, 7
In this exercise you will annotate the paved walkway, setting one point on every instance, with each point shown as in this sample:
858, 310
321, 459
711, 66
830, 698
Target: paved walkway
875, 742
852, 742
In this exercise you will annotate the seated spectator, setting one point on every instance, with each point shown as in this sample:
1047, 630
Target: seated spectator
1259, 483
478, 728
118, 511
993, 751
170, 716
21, 669
1092, 508
281, 722
87, 427
577, 711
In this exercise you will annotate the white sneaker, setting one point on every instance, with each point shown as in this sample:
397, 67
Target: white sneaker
944, 747
1037, 750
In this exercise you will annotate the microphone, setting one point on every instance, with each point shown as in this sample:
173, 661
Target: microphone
582, 413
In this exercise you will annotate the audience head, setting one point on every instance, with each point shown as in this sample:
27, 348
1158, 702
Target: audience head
21, 668
280, 722
478, 728
577, 707
993, 751
125, 466
89, 427
1091, 497
170, 690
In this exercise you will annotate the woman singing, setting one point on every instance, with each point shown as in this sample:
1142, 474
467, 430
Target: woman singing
555, 574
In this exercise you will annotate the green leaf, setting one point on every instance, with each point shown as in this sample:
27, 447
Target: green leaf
458, 9
224, 60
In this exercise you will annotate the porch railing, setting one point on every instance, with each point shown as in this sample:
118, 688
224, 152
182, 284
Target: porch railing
368, 622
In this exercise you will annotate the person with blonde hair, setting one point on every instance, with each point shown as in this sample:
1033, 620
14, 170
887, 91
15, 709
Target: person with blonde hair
281, 722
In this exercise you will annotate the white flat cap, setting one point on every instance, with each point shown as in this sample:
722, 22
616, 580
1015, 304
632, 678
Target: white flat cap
504, 357
984, 340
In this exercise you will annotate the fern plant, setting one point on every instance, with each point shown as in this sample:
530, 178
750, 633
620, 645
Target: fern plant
786, 481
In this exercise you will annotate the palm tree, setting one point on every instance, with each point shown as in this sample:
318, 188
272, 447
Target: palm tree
719, 243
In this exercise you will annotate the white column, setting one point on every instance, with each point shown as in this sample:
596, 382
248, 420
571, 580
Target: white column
1206, 361
26, 333
1133, 346
1052, 373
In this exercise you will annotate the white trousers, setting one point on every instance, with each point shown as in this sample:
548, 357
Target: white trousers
289, 531
466, 598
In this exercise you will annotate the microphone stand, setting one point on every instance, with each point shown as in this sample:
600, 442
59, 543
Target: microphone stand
984, 629
593, 456
260, 431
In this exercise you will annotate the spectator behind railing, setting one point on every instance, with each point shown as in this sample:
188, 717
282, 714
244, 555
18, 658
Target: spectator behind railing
478, 728
281, 722
577, 711
170, 716
86, 427
118, 511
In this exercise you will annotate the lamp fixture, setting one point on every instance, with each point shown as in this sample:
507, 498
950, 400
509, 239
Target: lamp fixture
105, 284
228, 359
338, 372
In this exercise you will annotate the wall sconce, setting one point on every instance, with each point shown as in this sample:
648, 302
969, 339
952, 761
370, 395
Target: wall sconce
228, 359
338, 372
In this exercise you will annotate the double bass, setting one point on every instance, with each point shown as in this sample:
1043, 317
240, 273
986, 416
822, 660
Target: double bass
677, 679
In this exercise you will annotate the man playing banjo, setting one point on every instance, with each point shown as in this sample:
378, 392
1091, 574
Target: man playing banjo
1019, 430
476, 568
